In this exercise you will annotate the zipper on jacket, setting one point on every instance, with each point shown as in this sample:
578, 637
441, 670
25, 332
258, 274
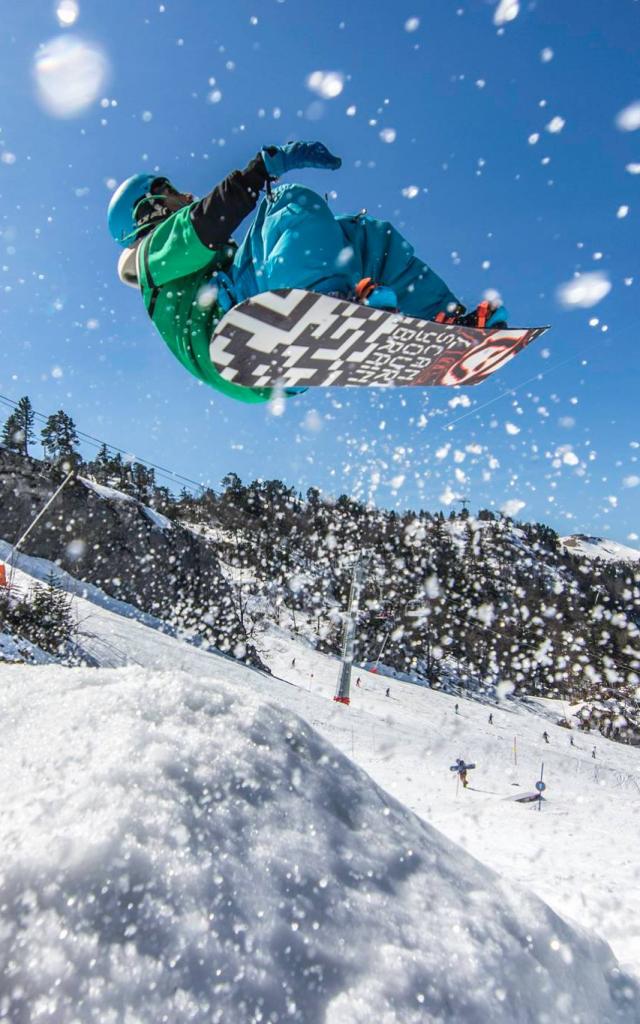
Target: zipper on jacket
155, 291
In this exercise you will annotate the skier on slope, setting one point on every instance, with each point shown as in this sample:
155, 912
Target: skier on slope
179, 252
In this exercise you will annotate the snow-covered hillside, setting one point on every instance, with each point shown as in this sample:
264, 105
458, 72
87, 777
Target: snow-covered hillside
182, 837
597, 547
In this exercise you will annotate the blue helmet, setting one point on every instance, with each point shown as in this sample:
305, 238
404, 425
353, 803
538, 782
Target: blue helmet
123, 226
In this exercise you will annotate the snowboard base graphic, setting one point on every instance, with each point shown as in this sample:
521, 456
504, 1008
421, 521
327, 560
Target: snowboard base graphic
296, 338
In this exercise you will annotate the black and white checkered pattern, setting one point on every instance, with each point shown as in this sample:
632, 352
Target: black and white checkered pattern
299, 338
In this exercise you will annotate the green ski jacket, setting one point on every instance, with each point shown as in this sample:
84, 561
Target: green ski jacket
176, 262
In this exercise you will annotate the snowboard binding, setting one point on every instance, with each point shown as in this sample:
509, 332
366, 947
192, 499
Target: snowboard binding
485, 314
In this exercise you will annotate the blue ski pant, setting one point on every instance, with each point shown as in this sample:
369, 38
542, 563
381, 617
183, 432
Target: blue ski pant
295, 241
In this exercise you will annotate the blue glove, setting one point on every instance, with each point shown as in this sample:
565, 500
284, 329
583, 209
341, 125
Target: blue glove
498, 317
294, 155
382, 297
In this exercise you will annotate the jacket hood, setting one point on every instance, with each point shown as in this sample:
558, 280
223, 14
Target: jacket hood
127, 267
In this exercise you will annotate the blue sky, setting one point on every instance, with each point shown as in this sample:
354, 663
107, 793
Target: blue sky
195, 88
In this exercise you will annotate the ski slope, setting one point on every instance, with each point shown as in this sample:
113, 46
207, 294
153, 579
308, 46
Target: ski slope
599, 548
112, 853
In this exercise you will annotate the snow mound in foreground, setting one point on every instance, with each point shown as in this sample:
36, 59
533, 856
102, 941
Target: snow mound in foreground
180, 851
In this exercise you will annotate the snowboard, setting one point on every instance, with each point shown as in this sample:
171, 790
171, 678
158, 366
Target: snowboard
296, 338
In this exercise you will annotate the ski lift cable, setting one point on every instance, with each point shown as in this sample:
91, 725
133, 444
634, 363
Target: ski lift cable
511, 391
504, 394
89, 438
172, 475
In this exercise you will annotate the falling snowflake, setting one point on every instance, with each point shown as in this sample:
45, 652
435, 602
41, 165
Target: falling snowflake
556, 124
512, 507
69, 75
628, 120
507, 10
584, 291
327, 84
67, 12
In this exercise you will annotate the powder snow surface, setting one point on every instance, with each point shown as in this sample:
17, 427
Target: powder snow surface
177, 849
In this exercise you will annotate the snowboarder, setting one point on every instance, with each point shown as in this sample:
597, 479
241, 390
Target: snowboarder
178, 251
461, 768
545, 736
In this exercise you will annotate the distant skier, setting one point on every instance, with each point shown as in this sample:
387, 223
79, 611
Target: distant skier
571, 741
545, 736
178, 251
358, 681
387, 692
293, 663
593, 753
457, 710
491, 718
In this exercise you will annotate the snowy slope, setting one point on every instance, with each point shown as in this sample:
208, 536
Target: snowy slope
595, 547
111, 631
579, 854
180, 847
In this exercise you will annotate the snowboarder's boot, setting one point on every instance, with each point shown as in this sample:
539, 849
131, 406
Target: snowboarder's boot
369, 293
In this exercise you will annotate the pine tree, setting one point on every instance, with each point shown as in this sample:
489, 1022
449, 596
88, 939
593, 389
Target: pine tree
59, 436
12, 433
98, 468
25, 418
51, 623
116, 472
142, 482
